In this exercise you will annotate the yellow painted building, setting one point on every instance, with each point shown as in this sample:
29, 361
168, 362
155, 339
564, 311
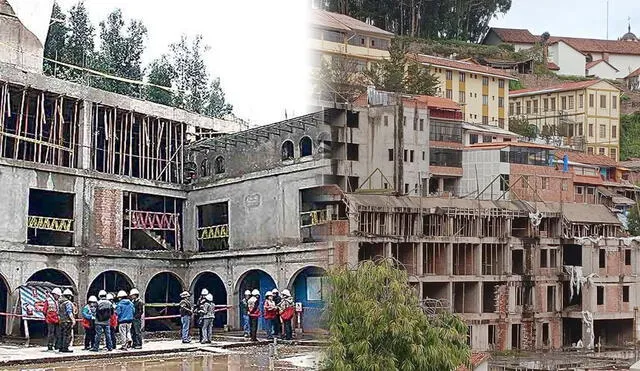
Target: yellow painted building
338, 35
482, 91
585, 114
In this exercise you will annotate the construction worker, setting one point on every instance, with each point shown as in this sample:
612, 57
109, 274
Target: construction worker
51, 319
104, 310
244, 312
270, 313
136, 328
113, 321
88, 318
75, 314
208, 314
125, 311
277, 326
253, 305
185, 316
287, 311
67, 320
197, 317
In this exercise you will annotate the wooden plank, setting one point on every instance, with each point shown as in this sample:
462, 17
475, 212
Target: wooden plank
19, 126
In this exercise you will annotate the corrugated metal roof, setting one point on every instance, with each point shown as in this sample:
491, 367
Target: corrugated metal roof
343, 22
573, 212
587, 213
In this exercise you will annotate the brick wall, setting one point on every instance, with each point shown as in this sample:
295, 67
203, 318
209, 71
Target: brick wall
528, 334
553, 191
107, 218
502, 308
555, 329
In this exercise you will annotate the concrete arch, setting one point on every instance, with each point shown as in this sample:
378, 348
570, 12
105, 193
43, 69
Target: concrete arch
5, 295
55, 276
216, 286
164, 287
183, 284
305, 146
297, 273
255, 278
111, 281
313, 306
246, 272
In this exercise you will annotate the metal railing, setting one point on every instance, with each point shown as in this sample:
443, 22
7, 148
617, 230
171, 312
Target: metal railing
314, 217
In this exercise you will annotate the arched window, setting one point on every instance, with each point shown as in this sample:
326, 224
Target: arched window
306, 147
287, 150
219, 164
204, 168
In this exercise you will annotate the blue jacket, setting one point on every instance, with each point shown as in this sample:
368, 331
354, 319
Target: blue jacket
125, 311
88, 313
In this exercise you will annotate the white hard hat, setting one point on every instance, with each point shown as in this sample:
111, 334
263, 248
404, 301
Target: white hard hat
209, 297
286, 292
109, 296
56, 291
275, 291
102, 293
185, 294
67, 292
247, 292
134, 292
255, 292
204, 292
122, 294
268, 293
92, 299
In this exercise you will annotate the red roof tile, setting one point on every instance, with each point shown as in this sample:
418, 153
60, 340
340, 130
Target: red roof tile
515, 35
498, 145
476, 360
567, 86
591, 64
585, 158
585, 179
461, 65
552, 66
599, 46
422, 101
445, 170
584, 45
634, 73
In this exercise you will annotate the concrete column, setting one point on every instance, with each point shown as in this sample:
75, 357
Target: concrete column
449, 259
85, 137
478, 259
440, 184
420, 259
387, 250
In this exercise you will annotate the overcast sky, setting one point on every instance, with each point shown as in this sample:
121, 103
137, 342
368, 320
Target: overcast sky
258, 48
577, 18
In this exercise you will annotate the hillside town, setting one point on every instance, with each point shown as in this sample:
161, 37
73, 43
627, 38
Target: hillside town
526, 234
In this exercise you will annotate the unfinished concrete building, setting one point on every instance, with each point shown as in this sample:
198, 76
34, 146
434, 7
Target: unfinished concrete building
103, 191
523, 275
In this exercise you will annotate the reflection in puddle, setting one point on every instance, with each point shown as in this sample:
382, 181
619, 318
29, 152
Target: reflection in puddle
179, 362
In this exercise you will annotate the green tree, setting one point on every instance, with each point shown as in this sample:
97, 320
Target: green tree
79, 46
121, 53
435, 19
402, 73
161, 73
633, 221
56, 44
521, 126
339, 79
192, 78
217, 106
630, 136
376, 323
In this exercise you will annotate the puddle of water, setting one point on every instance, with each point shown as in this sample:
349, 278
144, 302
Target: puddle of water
179, 362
